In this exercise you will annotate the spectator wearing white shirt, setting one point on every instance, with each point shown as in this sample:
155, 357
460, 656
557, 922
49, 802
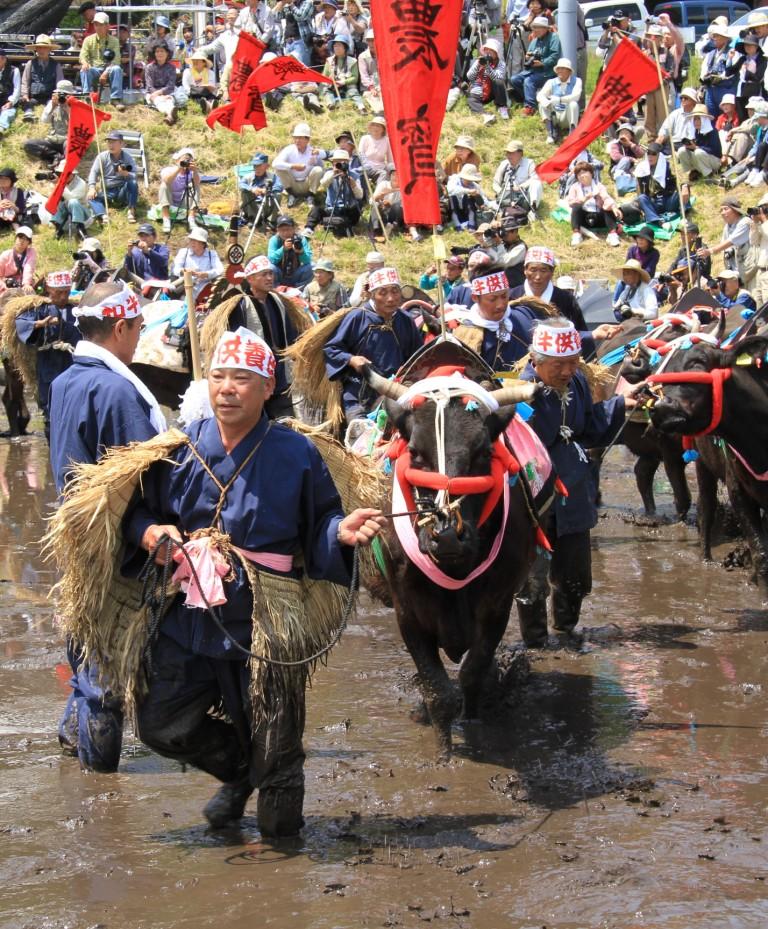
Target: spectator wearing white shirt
558, 101
634, 297
198, 258
516, 179
299, 166
374, 150
678, 126
368, 69
257, 19
734, 242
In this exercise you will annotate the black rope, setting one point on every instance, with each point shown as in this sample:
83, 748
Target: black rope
156, 603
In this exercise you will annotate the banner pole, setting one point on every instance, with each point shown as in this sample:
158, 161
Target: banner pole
103, 179
438, 250
194, 338
675, 164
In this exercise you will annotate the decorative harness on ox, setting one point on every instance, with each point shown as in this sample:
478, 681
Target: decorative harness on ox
441, 387
716, 379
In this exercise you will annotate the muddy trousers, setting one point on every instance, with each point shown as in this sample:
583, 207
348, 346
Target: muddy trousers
568, 574
92, 724
175, 719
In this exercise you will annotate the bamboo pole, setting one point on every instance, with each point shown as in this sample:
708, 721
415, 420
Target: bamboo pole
194, 337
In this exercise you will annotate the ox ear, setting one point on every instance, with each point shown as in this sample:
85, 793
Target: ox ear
756, 347
498, 421
400, 417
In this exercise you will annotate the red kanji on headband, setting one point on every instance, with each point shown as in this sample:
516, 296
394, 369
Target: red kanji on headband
556, 341
245, 350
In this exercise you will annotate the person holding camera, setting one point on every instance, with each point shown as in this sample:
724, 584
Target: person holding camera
39, 77
74, 210
539, 64
100, 62
324, 293
90, 261
559, 101
487, 81
615, 28
55, 115
179, 189
147, 258
114, 170
515, 182
511, 250
343, 192
734, 243
634, 298
10, 91
202, 261
677, 275
160, 90
700, 152
726, 288
290, 255
719, 70
758, 239
466, 198
260, 193
17, 265
296, 16
453, 277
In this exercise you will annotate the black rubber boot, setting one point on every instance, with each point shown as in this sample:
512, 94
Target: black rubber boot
533, 622
280, 811
228, 803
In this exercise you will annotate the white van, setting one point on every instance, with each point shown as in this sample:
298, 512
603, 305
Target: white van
595, 14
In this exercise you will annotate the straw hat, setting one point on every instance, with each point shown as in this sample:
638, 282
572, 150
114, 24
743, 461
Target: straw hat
465, 141
700, 110
42, 41
633, 265
470, 173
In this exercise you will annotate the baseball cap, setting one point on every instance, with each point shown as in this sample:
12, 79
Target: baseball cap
324, 264
25, 231
260, 159
285, 221
102, 19
146, 229
115, 136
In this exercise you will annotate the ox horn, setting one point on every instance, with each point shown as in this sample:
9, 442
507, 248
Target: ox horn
516, 393
644, 350
383, 385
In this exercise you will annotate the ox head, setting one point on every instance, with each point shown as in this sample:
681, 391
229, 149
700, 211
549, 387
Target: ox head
640, 362
450, 534
686, 408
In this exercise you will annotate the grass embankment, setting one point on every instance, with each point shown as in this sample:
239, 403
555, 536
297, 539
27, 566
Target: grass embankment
218, 151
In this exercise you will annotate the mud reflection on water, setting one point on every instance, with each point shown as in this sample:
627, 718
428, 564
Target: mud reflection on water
624, 786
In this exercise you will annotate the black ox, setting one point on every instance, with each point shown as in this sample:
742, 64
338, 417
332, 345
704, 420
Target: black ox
710, 391
468, 623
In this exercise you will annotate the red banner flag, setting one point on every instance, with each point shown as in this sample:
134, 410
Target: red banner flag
84, 120
247, 55
629, 75
416, 42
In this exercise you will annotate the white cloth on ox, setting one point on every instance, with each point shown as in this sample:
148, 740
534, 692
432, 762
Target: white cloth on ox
92, 350
449, 385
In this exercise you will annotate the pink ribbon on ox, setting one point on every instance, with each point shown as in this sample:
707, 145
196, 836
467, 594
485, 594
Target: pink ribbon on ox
211, 567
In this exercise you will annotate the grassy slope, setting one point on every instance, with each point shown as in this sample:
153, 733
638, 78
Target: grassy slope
218, 151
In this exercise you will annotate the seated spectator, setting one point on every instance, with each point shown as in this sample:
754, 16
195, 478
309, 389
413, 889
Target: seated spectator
510, 252
260, 194
633, 296
40, 76
726, 122
644, 250
515, 183
198, 258
568, 179
199, 81
375, 153
56, 115
487, 81
343, 193
592, 207
559, 101
368, 66
341, 67
18, 263
13, 201
700, 153
160, 90
624, 153
179, 189
676, 127
160, 37
147, 258
539, 65
346, 141
299, 166
354, 23
290, 255
463, 153
466, 197
114, 169
373, 261
305, 92
74, 210
657, 186
10, 92
729, 291
453, 277
100, 62
686, 257
324, 293
89, 264
389, 201
753, 168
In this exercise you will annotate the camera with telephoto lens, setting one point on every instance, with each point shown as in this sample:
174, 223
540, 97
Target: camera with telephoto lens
269, 183
80, 256
296, 242
491, 234
664, 278
483, 59
752, 211
625, 311
652, 21
108, 54
46, 176
343, 167
123, 165
184, 163
528, 60
712, 283
62, 98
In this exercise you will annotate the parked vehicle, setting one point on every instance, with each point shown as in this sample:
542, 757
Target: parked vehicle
698, 14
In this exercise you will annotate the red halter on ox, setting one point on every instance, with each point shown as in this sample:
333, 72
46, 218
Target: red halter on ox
715, 378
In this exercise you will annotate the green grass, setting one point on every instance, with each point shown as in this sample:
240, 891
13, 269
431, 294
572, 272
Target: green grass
218, 151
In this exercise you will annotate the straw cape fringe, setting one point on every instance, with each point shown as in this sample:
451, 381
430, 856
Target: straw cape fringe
22, 357
102, 611
309, 376
217, 320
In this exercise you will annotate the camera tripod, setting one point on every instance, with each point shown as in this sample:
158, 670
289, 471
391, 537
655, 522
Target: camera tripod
190, 201
268, 200
510, 186
478, 34
344, 178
